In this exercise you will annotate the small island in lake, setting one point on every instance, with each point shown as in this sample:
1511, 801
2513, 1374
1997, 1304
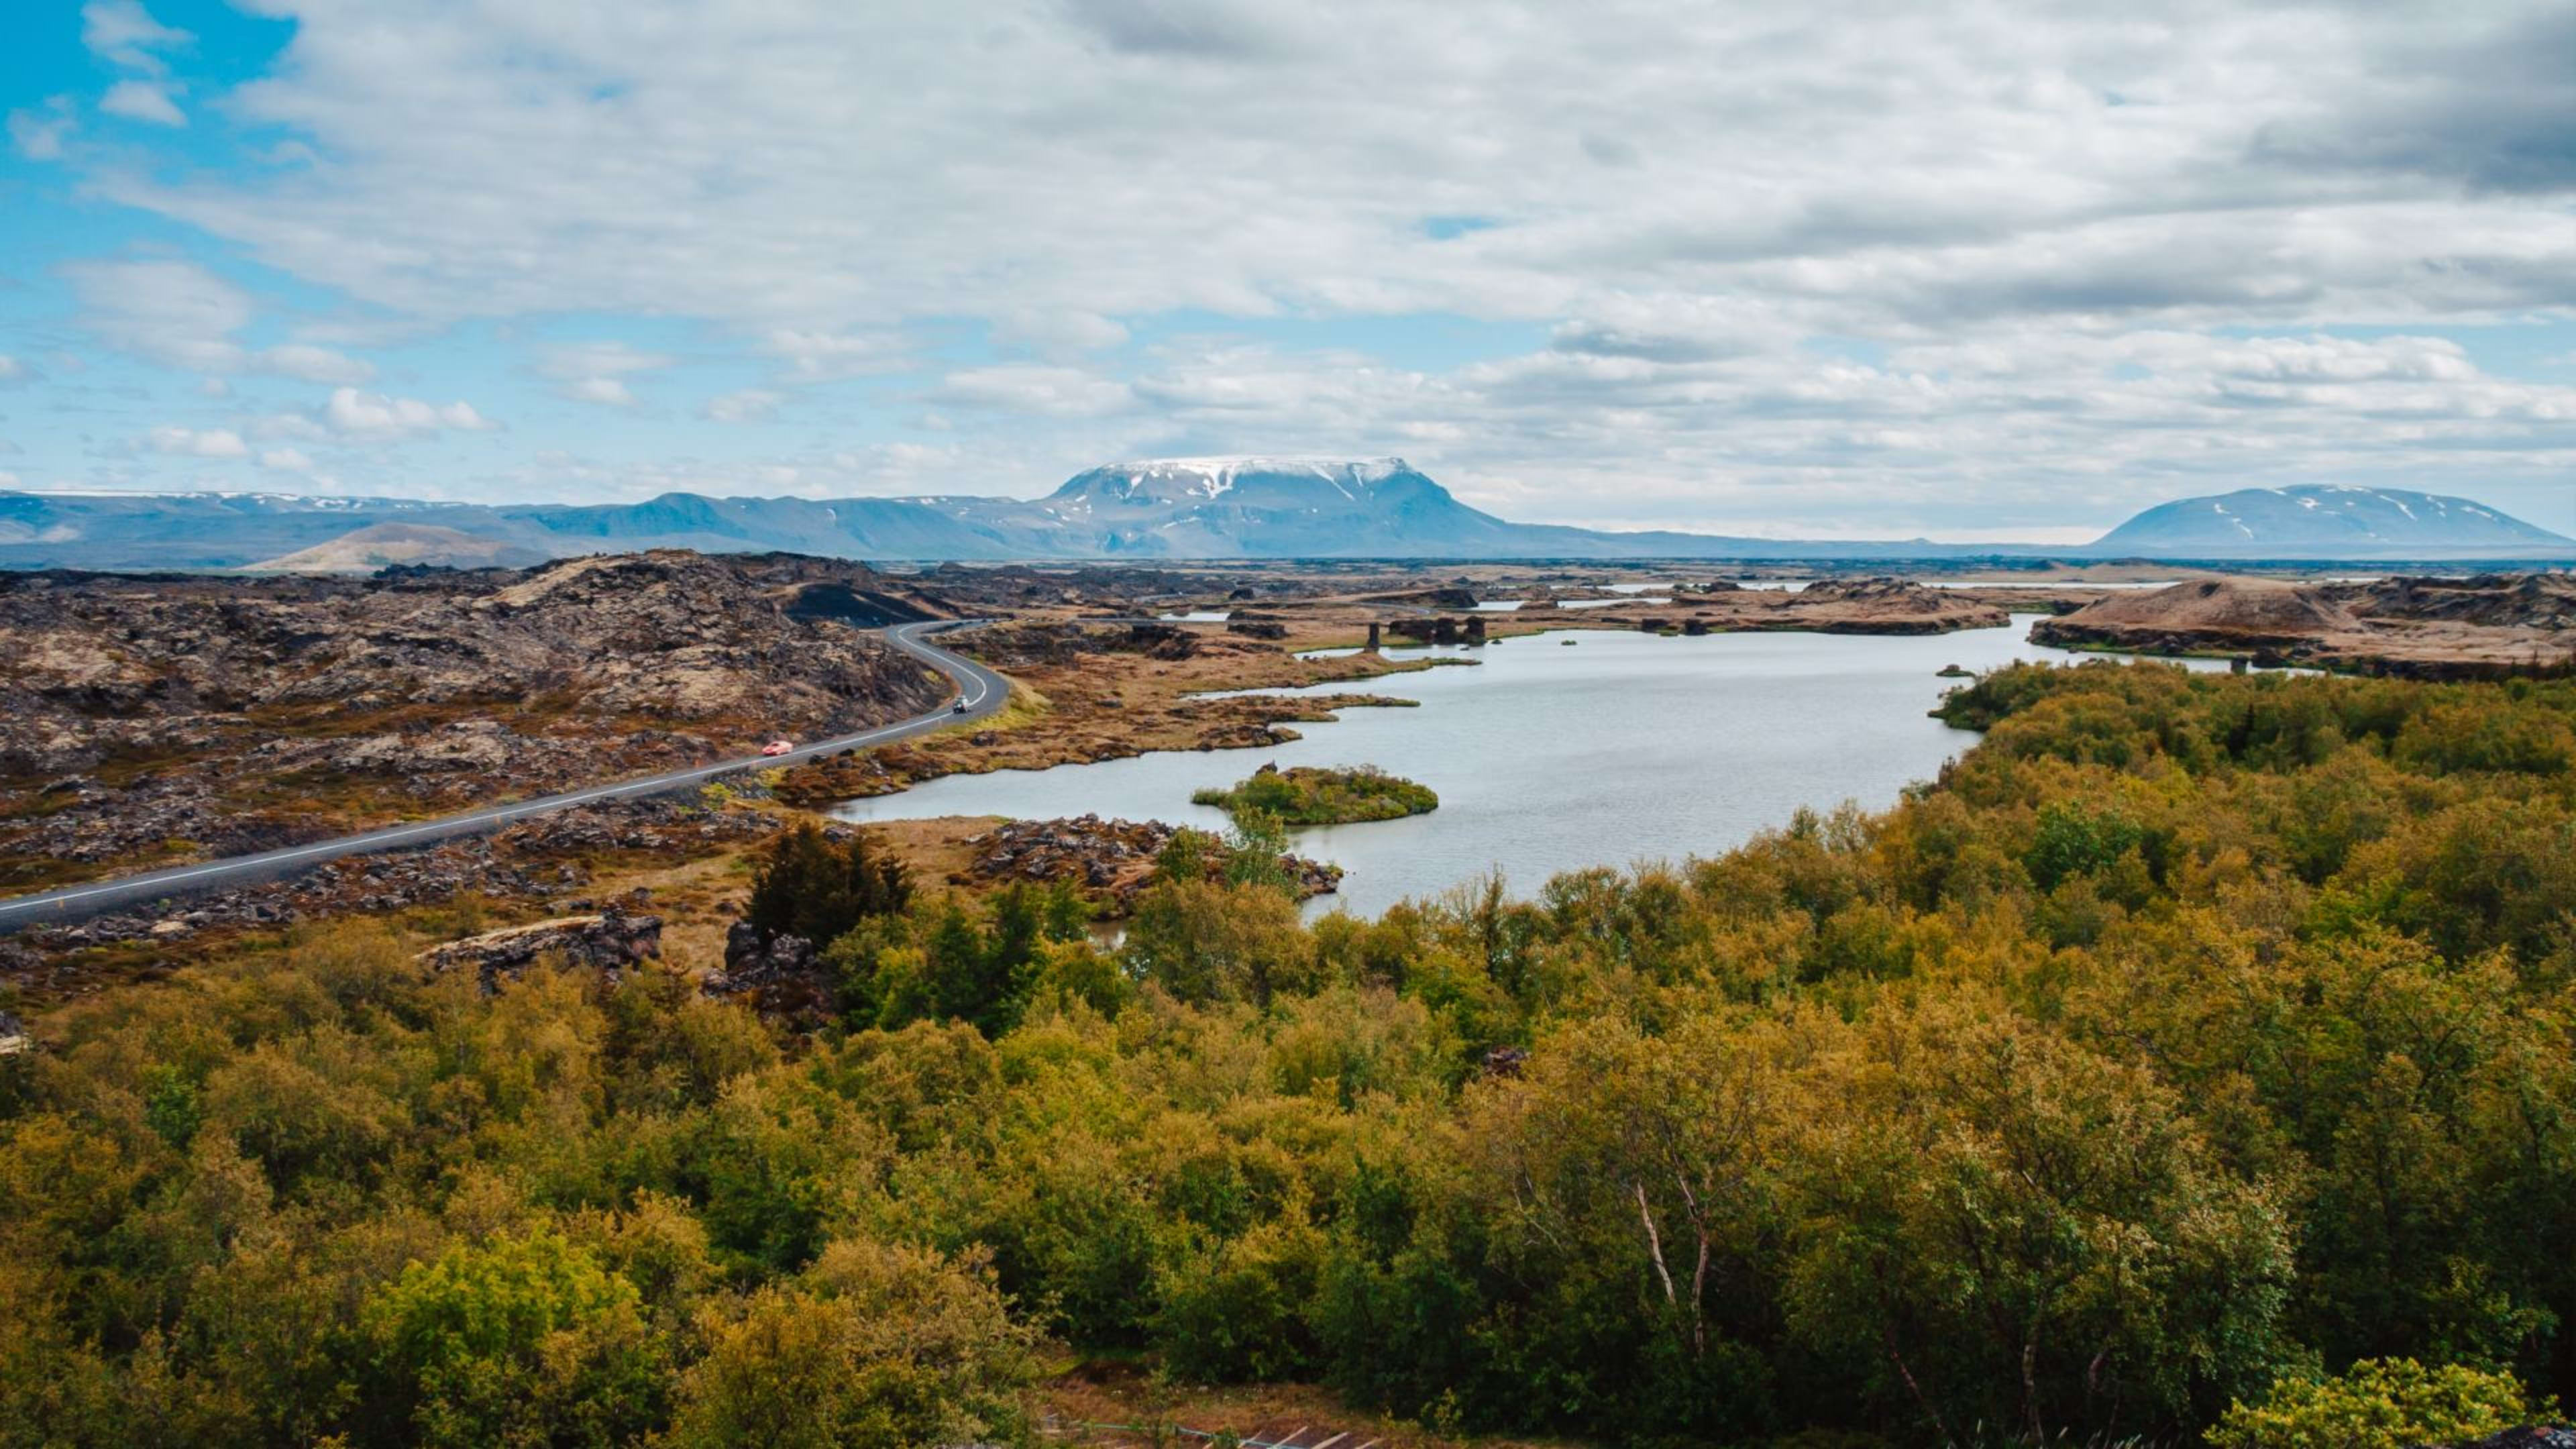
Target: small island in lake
1309, 795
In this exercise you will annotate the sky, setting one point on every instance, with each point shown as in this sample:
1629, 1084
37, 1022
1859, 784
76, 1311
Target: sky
1851, 268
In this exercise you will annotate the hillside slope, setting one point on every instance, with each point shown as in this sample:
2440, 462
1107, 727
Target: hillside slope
382, 545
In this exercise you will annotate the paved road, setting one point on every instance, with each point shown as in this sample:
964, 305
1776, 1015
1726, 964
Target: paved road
981, 690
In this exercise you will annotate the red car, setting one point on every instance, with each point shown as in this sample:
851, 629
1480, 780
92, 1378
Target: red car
776, 747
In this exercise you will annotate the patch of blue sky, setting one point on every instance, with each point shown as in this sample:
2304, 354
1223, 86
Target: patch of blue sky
225, 44
1443, 228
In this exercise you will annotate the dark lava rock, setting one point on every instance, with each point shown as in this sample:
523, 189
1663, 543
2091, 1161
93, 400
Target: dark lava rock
754, 961
611, 941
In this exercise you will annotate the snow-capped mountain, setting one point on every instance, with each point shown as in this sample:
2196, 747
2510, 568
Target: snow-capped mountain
1283, 507
2327, 521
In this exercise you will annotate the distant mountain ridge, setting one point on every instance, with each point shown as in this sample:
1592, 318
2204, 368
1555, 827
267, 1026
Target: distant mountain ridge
1165, 508
2328, 520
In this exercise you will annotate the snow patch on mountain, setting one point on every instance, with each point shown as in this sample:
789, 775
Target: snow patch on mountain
1180, 478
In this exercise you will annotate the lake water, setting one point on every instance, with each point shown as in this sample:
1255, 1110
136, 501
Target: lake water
1624, 747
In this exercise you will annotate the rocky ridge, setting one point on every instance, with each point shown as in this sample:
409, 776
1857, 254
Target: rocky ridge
546, 862
157, 720
2484, 626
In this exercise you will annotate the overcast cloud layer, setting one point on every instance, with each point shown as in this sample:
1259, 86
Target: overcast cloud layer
1850, 268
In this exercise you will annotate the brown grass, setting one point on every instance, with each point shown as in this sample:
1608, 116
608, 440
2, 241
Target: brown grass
1109, 1393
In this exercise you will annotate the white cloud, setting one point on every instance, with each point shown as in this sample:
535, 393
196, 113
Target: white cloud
180, 315
286, 460
141, 100
293, 427
1060, 392
1058, 331
307, 363
192, 443
607, 391
123, 33
14, 371
174, 313
599, 359
373, 416
38, 135
1704, 264
750, 405
824, 356
1110, 159
591, 372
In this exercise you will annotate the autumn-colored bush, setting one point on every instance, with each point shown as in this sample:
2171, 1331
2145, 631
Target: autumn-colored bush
2191, 1057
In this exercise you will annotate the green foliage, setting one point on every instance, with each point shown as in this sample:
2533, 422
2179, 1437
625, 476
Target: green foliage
875, 1348
2072, 840
2195, 1035
2378, 1404
818, 888
1312, 795
516, 1341
946, 959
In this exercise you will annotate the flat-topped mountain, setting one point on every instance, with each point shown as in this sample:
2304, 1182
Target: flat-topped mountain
2326, 521
1294, 507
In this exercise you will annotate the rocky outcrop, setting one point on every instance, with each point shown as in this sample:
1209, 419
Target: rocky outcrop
1451, 596
2486, 627
1435, 630
1883, 606
160, 719
1108, 860
610, 941
2495, 601
1020, 646
2230, 613
544, 860
2528, 1437
14, 1040
755, 962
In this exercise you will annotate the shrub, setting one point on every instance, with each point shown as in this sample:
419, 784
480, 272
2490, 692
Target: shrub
818, 888
2378, 1404
520, 1341
2073, 840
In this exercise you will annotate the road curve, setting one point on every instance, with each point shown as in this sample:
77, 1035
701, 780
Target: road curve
981, 690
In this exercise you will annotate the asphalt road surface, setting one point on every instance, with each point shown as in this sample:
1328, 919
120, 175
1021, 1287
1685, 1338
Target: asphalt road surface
981, 690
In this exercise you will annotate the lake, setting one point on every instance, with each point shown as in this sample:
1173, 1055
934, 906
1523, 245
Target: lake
1621, 748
